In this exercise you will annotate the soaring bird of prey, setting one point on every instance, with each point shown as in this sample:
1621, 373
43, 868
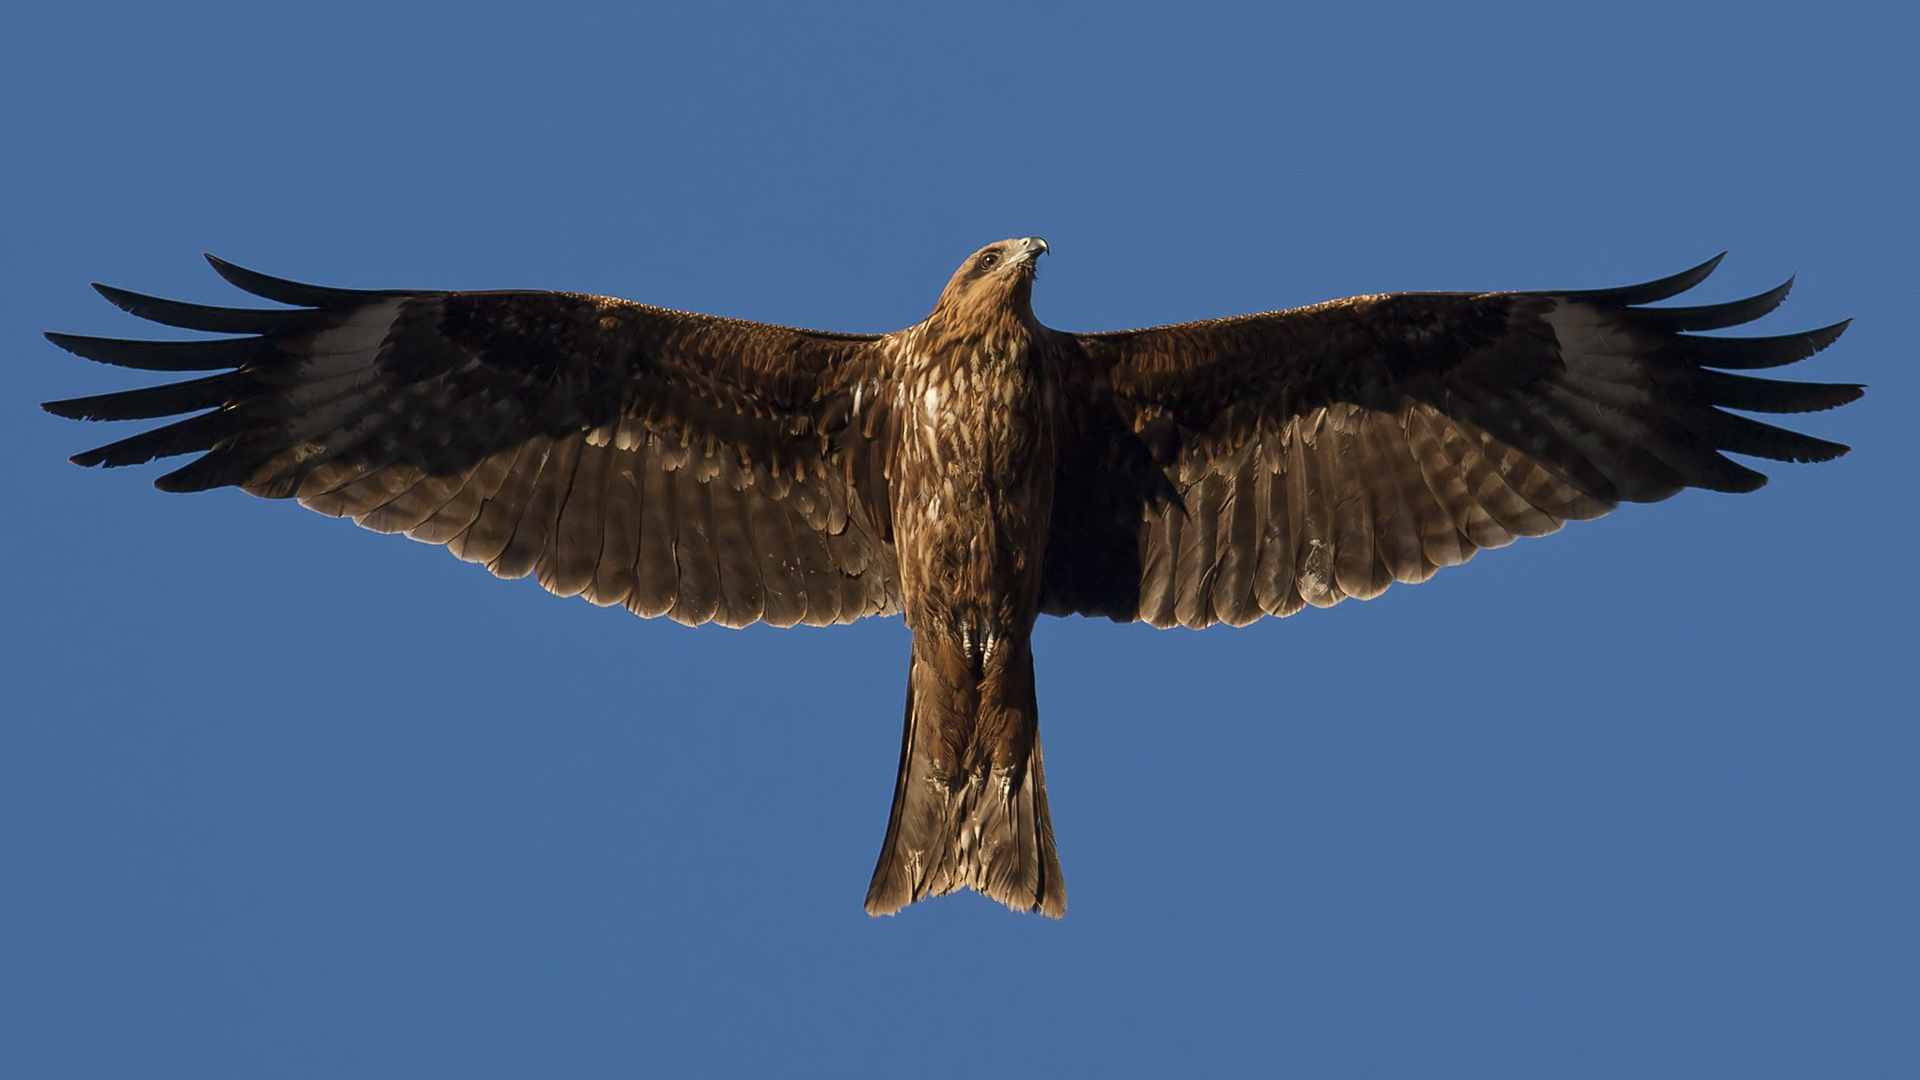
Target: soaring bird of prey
973, 471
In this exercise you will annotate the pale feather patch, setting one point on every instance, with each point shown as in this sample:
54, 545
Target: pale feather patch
1591, 346
364, 331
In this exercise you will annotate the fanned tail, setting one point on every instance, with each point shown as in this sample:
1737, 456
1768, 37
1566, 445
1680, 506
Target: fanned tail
970, 803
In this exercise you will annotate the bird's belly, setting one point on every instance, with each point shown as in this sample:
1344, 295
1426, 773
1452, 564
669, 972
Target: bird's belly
973, 494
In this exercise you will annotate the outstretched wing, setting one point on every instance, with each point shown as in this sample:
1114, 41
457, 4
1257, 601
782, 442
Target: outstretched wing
679, 464
1220, 471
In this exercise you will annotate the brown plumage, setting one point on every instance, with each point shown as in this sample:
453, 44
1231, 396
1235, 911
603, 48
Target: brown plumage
972, 471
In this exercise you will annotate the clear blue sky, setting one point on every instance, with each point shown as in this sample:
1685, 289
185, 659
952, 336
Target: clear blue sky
279, 797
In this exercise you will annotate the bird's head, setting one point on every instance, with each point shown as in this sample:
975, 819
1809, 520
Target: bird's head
997, 278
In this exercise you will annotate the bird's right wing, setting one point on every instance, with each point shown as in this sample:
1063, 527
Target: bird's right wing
702, 468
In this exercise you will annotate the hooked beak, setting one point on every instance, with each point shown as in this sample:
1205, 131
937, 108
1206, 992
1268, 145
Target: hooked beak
1027, 259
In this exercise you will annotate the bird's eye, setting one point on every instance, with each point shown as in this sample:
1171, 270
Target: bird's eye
989, 260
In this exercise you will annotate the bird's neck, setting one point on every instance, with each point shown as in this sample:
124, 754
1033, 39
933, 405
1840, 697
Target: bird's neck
999, 338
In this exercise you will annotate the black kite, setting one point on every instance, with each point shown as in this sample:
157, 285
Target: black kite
973, 471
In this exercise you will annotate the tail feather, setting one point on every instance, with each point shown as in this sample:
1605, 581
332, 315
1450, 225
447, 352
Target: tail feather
970, 801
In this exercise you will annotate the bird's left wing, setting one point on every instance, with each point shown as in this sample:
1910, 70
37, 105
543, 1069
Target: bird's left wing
679, 464
1225, 470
